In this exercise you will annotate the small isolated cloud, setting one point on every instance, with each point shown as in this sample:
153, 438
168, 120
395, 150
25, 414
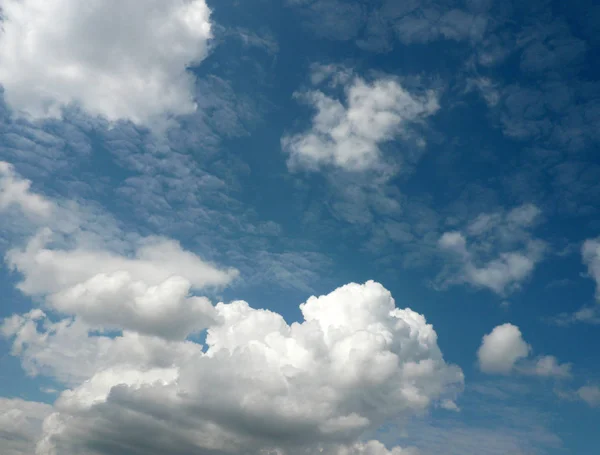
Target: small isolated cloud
260, 386
15, 191
496, 251
125, 61
504, 351
348, 133
500, 349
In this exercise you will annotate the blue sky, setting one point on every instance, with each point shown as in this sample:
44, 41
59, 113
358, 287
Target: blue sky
157, 158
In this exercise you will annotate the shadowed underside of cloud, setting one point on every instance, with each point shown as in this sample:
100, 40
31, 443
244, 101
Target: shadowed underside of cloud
260, 385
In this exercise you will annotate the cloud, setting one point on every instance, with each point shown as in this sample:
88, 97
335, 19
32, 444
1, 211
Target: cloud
348, 134
496, 252
590, 253
20, 425
504, 351
590, 314
15, 191
590, 394
149, 292
500, 349
75, 273
261, 385
127, 64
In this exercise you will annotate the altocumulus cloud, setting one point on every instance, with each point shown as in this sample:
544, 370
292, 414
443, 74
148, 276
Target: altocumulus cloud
126, 64
258, 385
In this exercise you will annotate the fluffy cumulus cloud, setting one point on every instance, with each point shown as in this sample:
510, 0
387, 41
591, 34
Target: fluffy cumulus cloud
15, 192
504, 351
349, 133
496, 251
149, 291
136, 382
260, 385
128, 63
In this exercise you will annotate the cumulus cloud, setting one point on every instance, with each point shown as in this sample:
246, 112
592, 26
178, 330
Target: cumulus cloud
15, 191
149, 292
21, 424
501, 348
261, 385
504, 351
128, 63
348, 133
496, 251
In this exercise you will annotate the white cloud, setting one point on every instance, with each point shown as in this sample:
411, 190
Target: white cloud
148, 293
348, 134
20, 425
590, 394
15, 191
125, 63
591, 257
261, 386
146, 288
499, 253
504, 351
500, 349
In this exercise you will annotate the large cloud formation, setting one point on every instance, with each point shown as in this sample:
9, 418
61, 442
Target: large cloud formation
139, 382
259, 386
126, 64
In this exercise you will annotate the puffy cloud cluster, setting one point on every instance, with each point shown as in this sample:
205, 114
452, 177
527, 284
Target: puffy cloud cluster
138, 383
348, 134
498, 251
504, 351
126, 64
259, 386
149, 293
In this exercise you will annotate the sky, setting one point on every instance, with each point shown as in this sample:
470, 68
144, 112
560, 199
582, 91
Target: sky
293, 227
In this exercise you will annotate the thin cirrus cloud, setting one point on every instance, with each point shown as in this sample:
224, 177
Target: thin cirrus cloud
131, 65
348, 134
